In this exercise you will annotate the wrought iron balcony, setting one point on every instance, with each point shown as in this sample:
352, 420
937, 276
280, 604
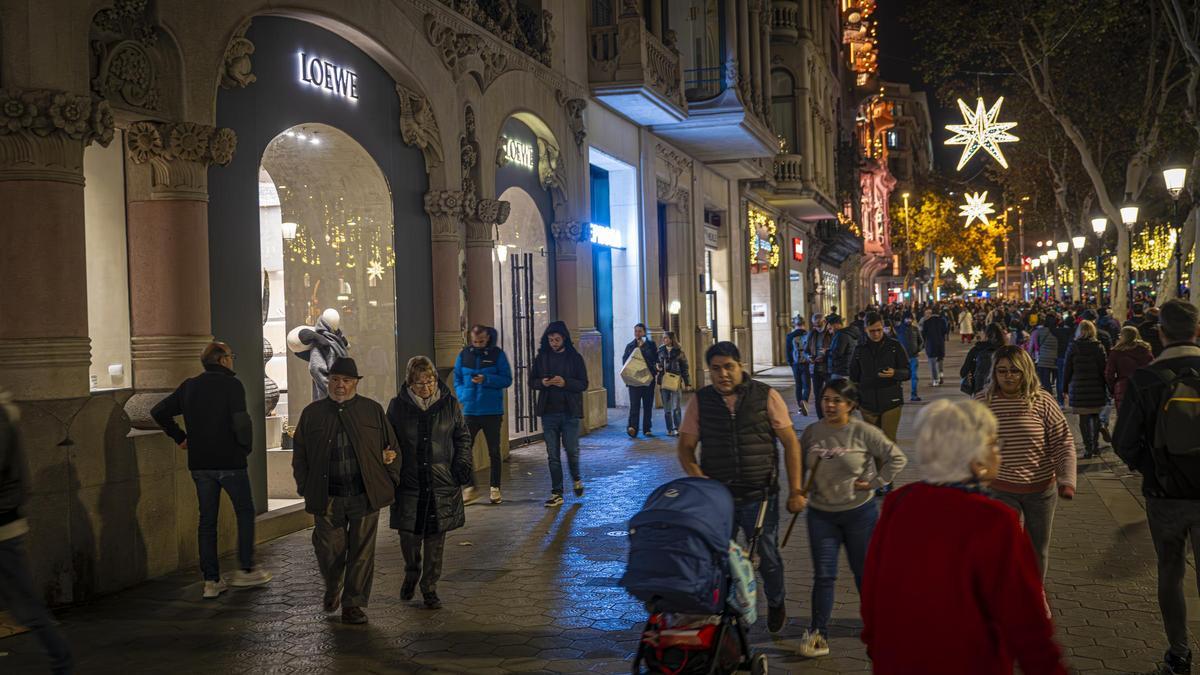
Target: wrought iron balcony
634, 73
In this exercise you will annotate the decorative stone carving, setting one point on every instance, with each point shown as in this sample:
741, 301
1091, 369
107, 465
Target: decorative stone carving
550, 175
501, 157
179, 154
43, 133
670, 192
567, 235
575, 108
418, 126
445, 209
630, 8
236, 72
524, 28
124, 61
493, 211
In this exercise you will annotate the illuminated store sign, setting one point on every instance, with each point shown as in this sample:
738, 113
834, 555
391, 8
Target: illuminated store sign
518, 152
606, 236
797, 249
329, 76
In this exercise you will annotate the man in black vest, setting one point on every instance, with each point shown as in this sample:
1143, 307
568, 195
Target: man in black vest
736, 421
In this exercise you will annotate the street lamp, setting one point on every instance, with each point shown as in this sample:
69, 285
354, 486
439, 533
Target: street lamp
907, 245
1099, 224
1062, 247
1129, 216
1174, 176
1052, 254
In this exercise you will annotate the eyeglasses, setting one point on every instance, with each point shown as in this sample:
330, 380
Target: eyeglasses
425, 384
1005, 372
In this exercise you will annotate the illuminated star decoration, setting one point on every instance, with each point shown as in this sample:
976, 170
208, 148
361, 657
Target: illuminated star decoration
976, 208
375, 270
962, 281
948, 265
981, 131
976, 274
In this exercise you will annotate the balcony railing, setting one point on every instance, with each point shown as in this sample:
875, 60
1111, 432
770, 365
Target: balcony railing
631, 70
789, 171
704, 83
785, 20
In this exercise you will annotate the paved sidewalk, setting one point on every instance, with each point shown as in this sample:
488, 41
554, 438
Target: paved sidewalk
527, 589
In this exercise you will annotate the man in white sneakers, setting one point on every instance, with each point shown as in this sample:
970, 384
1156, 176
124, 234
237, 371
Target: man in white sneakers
217, 440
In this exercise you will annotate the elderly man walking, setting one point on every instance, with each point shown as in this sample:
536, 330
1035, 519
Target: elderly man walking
343, 458
217, 440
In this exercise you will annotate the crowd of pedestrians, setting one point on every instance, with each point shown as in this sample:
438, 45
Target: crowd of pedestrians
992, 468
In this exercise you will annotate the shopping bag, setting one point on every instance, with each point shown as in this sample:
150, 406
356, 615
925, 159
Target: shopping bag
744, 598
636, 372
671, 382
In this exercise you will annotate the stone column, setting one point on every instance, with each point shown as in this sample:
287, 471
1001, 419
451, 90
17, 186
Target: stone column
573, 274
170, 311
445, 209
764, 29
481, 302
743, 46
756, 50
44, 346
656, 16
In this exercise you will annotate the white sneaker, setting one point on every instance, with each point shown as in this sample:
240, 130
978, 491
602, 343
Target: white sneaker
470, 495
214, 588
255, 577
813, 644
494, 494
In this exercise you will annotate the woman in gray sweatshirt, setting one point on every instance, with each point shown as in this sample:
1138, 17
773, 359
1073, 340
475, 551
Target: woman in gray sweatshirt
845, 461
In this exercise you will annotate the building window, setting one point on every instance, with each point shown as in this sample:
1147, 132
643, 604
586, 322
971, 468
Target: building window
893, 139
783, 109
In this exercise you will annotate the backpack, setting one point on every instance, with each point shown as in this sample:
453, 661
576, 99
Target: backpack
679, 547
1176, 445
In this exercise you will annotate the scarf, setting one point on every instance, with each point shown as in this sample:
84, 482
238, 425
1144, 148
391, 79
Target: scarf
423, 403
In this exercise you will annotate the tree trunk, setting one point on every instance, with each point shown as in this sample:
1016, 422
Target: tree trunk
1169, 286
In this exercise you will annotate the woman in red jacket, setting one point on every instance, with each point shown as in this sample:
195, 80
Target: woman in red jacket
975, 584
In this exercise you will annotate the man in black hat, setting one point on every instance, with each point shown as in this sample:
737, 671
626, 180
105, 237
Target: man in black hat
343, 457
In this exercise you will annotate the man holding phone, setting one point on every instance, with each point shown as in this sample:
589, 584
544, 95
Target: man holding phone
878, 367
559, 376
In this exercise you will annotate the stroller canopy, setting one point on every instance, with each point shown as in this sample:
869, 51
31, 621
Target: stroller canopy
699, 504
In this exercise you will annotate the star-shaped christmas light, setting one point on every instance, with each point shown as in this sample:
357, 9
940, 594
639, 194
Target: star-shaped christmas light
948, 265
962, 281
375, 270
976, 208
976, 274
981, 131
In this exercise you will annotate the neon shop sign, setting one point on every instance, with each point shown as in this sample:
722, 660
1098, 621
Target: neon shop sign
518, 152
327, 75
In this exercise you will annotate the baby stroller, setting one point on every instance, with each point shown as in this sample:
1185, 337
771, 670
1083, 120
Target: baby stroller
679, 565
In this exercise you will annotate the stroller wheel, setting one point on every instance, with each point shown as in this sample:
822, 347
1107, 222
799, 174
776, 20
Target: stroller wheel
758, 664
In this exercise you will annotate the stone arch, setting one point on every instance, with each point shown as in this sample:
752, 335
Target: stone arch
369, 25
552, 169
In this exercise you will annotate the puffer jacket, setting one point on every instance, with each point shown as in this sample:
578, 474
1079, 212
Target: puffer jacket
1120, 367
840, 351
1083, 376
1044, 346
673, 360
487, 397
435, 462
909, 336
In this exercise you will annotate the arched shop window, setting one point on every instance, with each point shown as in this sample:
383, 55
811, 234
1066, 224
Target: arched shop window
783, 108
326, 226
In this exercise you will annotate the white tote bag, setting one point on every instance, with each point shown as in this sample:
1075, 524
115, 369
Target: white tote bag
636, 372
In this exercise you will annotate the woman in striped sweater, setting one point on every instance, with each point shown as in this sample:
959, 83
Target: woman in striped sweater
1037, 458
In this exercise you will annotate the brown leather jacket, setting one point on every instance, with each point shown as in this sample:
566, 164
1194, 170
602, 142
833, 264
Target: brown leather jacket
370, 434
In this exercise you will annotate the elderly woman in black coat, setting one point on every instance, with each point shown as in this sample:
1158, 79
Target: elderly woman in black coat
435, 453
1083, 378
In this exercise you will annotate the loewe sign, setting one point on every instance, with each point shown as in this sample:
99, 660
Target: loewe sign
328, 75
518, 152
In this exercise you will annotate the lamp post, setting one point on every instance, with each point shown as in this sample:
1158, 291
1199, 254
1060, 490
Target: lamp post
1034, 264
1099, 223
1052, 254
1175, 176
1045, 260
1062, 247
907, 245
1129, 216
1077, 243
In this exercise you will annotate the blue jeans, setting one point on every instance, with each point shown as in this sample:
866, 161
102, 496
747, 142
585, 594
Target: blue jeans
1061, 364
236, 483
1046, 377
671, 409
914, 365
827, 532
935, 368
803, 381
770, 561
24, 603
561, 428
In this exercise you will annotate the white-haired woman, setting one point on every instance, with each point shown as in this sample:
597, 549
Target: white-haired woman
1037, 464
975, 583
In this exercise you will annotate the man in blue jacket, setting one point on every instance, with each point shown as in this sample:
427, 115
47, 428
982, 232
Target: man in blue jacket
481, 374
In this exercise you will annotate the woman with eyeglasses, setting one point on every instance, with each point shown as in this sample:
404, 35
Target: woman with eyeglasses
845, 461
1038, 454
974, 581
435, 464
